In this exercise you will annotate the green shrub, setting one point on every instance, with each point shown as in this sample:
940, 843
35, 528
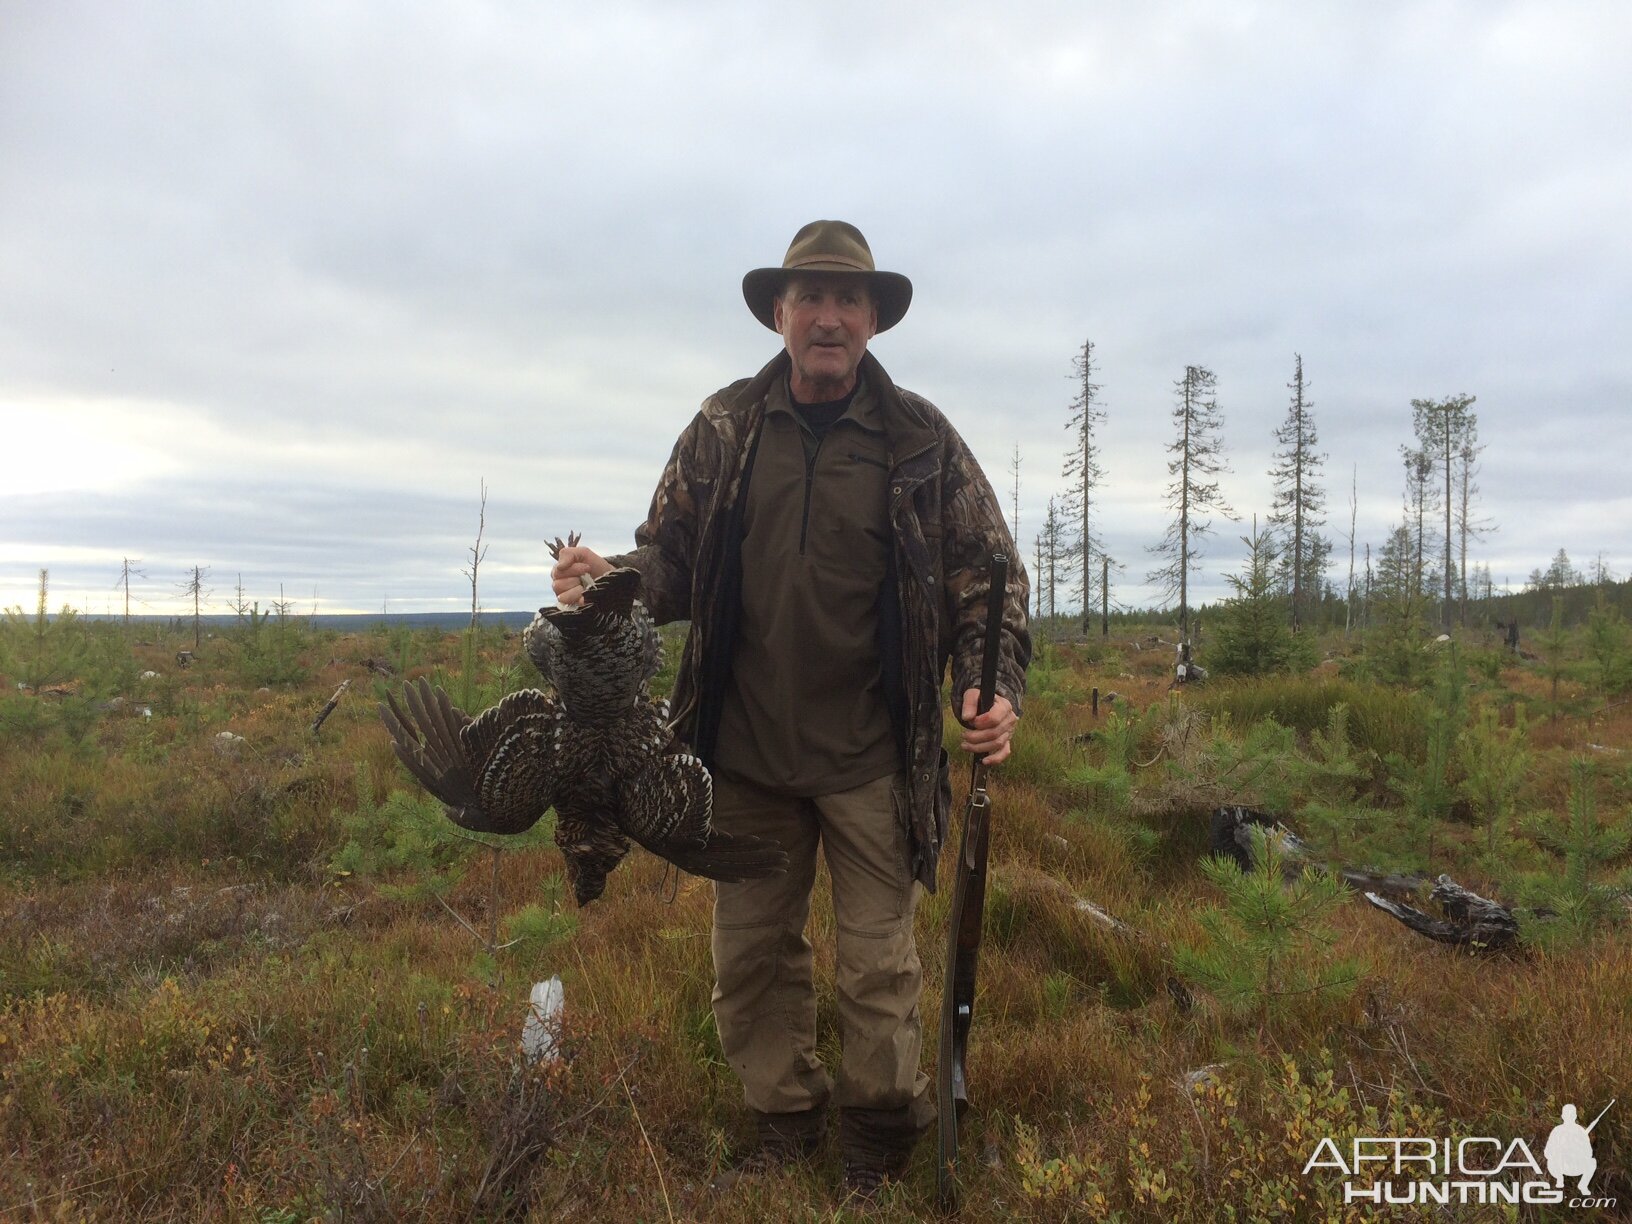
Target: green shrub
1251, 635
1263, 948
1495, 763
1607, 648
1380, 719
1582, 903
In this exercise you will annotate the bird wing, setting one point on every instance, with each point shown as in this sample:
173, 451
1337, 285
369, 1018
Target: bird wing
425, 737
495, 772
666, 807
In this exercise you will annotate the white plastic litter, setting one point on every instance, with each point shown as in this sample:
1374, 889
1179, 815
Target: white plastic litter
538, 1034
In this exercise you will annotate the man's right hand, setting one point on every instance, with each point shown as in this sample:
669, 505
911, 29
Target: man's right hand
574, 564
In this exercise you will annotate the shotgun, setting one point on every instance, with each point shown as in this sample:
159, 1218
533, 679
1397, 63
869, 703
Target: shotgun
964, 928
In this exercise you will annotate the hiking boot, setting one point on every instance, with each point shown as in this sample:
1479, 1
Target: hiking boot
785, 1140
863, 1182
876, 1145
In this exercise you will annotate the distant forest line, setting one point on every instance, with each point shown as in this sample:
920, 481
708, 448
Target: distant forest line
1532, 608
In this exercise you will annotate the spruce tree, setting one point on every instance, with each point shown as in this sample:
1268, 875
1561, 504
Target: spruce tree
1299, 500
1084, 471
1197, 453
1251, 637
1395, 606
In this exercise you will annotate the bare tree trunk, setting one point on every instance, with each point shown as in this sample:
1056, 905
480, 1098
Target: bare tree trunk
1354, 511
1445, 617
1014, 470
125, 572
1184, 515
194, 586
477, 552
1037, 586
1104, 596
1365, 604
1297, 511
329, 706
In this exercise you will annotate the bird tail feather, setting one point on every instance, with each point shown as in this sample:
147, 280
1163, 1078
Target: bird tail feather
425, 738
729, 858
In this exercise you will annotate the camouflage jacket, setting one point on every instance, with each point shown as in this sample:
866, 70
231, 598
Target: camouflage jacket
946, 522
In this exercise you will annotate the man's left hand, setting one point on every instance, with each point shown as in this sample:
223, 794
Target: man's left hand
988, 735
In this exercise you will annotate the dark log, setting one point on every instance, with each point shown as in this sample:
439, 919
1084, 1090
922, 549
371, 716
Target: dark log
1400, 887
1470, 920
1231, 838
328, 707
1467, 919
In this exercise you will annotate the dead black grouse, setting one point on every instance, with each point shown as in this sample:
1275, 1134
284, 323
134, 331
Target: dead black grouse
598, 750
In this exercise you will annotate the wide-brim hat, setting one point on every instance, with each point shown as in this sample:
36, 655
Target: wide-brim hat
831, 248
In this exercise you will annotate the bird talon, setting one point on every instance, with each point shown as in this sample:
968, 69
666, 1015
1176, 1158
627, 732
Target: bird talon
555, 546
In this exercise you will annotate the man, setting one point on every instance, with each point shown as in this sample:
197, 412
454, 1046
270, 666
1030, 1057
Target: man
828, 536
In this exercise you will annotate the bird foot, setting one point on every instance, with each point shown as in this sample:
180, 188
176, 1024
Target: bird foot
555, 546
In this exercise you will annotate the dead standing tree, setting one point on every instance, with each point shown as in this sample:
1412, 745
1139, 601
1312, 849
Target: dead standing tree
1444, 428
193, 586
1469, 524
1014, 522
1054, 554
126, 572
477, 551
1299, 499
1198, 459
1354, 514
1419, 500
1084, 471
1014, 471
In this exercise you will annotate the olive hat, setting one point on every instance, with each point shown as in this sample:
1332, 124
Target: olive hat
828, 247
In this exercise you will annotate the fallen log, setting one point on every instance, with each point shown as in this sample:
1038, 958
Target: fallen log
1231, 837
328, 707
1470, 920
1400, 887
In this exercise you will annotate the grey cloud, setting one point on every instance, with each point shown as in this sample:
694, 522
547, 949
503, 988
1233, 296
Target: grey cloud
514, 236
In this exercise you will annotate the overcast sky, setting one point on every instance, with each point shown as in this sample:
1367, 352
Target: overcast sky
281, 285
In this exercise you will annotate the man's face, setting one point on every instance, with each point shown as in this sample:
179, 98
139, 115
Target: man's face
825, 323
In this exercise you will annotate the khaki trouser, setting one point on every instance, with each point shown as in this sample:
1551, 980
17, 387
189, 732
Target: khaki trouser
764, 999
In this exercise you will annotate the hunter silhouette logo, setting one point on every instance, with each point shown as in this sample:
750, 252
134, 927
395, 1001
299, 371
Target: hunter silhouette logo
1424, 1170
1569, 1149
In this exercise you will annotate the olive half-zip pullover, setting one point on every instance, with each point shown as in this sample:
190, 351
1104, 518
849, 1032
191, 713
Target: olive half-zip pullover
805, 713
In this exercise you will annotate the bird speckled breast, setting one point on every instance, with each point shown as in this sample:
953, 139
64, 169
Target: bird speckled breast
601, 756
600, 657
